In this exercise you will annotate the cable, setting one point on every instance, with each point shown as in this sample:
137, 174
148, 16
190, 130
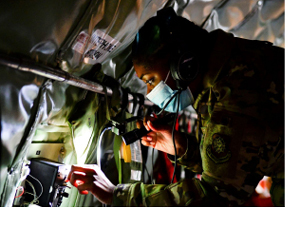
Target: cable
99, 151
173, 131
42, 189
35, 197
34, 192
152, 165
168, 102
149, 176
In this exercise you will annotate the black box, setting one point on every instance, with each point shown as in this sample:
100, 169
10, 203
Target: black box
48, 179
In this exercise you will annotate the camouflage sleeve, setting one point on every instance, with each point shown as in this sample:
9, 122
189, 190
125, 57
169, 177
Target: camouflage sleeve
191, 158
187, 192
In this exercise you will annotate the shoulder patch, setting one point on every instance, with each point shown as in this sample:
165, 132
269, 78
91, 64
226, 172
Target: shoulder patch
218, 150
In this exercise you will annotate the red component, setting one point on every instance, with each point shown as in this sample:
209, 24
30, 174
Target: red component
257, 200
21, 192
163, 170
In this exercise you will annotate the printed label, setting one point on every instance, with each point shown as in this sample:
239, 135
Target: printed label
81, 42
136, 175
136, 154
99, 47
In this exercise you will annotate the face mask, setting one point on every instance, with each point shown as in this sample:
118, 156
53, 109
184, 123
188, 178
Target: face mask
162, 93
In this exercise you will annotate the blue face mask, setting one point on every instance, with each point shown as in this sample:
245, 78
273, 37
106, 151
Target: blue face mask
162, 93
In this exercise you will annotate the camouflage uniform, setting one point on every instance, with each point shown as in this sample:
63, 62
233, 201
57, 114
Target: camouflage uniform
241, 105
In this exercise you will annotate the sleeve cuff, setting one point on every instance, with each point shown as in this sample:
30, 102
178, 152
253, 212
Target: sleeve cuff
120, 195
184, 157
191, 159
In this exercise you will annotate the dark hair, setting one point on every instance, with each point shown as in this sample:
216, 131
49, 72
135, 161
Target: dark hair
153, 41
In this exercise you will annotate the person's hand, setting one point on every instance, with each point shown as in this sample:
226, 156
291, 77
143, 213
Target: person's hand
90, 178
161, 139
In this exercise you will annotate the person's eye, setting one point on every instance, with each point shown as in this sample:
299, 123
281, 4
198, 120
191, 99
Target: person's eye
150, 81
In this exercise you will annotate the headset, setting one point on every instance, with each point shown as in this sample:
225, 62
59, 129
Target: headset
185, 63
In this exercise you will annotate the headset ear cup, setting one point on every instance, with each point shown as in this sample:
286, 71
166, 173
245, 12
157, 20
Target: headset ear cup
174, 73
174, 69
185, 66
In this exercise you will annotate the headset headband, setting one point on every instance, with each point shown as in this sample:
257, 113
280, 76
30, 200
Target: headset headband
185, 64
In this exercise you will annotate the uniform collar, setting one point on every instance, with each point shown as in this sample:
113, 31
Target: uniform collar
222, 44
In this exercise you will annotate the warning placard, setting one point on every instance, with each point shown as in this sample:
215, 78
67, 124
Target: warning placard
99, 47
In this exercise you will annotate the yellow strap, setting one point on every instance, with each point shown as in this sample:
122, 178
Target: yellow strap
126, 153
